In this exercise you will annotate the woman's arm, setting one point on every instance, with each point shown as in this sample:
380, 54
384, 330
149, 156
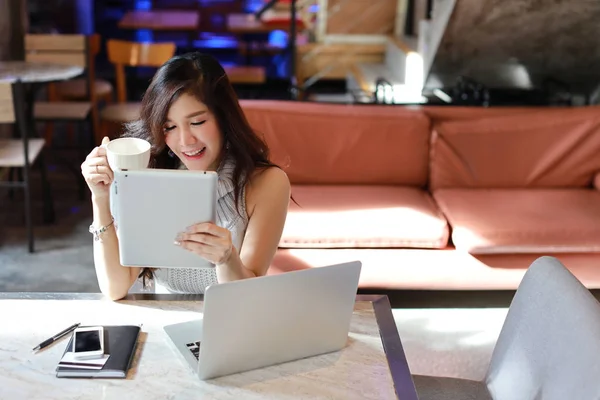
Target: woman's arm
267, 201
114, 279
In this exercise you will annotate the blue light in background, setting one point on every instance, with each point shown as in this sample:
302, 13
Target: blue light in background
216, 41
143, 5
143, 35
253, 5
84, 10
278, 38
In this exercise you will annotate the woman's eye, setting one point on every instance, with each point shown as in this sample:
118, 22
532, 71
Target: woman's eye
198, 123
169, 128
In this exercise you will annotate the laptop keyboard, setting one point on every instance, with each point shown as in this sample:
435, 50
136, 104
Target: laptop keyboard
194, 347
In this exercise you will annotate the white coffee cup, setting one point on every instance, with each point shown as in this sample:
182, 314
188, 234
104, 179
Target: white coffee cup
128, 153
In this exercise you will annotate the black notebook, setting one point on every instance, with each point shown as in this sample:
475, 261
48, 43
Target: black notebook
119, 343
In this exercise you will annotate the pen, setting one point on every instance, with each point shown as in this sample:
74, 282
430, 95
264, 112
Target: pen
54, 338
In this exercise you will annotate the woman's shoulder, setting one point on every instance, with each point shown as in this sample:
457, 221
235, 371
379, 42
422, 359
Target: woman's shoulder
269, 176
267, 185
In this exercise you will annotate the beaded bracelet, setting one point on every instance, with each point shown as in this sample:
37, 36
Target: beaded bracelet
98, 232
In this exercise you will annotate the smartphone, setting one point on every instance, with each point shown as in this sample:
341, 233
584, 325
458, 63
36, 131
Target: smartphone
88, 342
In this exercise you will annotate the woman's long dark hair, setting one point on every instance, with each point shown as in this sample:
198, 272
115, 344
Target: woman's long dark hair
202, 76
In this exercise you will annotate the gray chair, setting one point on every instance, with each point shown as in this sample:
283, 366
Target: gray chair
548, 349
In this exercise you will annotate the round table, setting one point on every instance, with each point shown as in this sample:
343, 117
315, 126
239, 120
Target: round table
30, 76
35, 72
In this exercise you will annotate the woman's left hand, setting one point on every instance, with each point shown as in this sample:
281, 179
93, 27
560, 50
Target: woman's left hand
208, 241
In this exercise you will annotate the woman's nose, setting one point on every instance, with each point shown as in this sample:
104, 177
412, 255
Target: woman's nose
186, 138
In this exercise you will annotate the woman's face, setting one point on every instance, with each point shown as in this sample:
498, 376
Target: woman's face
192, 133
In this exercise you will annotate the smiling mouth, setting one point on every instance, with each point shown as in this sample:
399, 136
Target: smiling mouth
195, 153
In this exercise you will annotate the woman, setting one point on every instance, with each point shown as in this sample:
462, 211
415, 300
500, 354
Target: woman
191, 116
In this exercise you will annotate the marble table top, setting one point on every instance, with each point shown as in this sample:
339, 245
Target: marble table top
11, 71
371, 366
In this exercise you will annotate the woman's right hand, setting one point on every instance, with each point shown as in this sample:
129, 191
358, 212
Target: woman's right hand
97, 173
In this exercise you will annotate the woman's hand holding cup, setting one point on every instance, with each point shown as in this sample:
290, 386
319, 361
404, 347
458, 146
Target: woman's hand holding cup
97, 173
120, 154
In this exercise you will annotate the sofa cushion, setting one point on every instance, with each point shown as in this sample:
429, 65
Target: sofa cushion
342, 216
429, 269
597, 181
554, 148
344, 144
488, 221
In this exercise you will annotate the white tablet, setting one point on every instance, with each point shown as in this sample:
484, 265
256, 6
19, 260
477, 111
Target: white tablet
151, 206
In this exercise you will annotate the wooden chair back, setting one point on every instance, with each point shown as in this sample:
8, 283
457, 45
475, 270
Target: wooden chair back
133, 54
65, 49
57, 49
7, 108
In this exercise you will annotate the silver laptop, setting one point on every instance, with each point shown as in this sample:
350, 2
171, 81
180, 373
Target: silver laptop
259, 322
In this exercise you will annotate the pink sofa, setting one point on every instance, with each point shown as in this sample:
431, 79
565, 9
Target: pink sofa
436, 198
